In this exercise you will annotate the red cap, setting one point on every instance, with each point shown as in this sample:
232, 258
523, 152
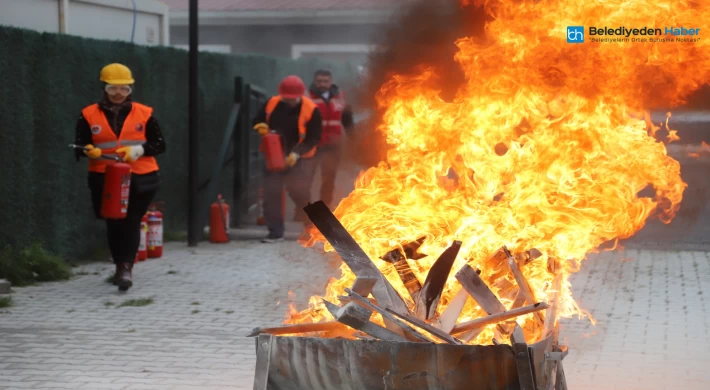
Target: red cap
292, 87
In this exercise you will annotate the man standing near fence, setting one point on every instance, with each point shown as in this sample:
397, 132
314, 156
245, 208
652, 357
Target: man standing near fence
337, 115
297, 120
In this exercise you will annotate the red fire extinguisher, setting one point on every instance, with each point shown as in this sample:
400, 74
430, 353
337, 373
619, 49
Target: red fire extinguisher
273, 152
260, 206
143, 247
219, 220
155, 233
117, 186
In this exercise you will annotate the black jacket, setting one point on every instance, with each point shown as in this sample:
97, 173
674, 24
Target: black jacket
116, 116
284, 120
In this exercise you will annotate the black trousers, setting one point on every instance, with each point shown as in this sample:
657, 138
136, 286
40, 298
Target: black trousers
297, 181
124, 234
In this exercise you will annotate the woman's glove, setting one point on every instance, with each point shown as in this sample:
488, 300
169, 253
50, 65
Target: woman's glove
92, 152
262, 128
131, 153
292, 158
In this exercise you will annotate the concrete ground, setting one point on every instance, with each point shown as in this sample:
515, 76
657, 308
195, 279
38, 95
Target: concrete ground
652, 329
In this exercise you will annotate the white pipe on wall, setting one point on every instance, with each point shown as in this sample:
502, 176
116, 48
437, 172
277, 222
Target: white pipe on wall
63, 17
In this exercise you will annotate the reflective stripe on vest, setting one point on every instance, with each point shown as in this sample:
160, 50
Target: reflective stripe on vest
332, 113
307, 108
132, 134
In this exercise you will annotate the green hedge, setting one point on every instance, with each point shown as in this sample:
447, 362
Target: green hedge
46, 79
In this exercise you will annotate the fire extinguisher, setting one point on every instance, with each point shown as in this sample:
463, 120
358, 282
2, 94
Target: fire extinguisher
143, 247
117, 187
260, 206
219, 221
273, 152
155, 233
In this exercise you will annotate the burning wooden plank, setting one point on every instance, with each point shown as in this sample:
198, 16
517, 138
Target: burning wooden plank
297, 328
412, 333
478, 289
550, 368
358, 317
363, 285
353, 255
497, 264
551, 313
447, 320
519, 300
399, 262
498, 317
527, 256
428, 299
472, 334
423, 325
522, 284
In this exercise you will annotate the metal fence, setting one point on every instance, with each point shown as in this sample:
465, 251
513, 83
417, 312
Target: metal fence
248, 172
245, 159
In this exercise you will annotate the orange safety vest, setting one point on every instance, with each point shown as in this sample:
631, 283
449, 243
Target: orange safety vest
307, 108
132, 134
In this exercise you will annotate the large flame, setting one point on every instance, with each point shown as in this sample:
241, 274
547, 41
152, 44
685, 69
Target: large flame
547, 146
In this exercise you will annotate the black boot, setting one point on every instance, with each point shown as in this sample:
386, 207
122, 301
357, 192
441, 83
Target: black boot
124, 277
116, 273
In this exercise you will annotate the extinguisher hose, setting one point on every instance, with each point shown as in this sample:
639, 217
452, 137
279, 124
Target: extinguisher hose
115, 158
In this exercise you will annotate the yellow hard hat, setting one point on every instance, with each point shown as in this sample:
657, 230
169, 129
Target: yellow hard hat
116, 74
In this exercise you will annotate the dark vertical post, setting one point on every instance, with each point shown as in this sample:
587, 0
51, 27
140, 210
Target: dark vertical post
241, 99
193, 228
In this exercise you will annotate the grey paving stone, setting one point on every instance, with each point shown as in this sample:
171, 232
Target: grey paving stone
651, 311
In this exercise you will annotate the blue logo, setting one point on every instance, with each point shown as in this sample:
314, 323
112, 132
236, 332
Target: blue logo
575, 34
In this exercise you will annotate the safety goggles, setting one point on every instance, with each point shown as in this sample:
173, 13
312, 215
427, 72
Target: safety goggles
123, 90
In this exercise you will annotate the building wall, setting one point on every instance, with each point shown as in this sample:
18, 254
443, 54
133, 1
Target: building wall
279, 40
100, 19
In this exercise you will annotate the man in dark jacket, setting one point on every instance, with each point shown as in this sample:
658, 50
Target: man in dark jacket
298, 121
337, 116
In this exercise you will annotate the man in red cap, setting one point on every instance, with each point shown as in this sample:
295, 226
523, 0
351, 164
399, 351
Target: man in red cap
298, 121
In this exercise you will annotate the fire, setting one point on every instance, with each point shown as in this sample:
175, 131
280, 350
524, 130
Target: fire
703, 150
547, 146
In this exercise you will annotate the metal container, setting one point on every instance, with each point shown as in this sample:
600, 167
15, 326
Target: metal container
304, 363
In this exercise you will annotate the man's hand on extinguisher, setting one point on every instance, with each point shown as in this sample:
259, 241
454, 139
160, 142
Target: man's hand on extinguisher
131, 153
292, 158
91, 151
262, 128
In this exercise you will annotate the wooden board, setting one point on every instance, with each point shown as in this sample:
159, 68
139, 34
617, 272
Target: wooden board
478, 289
428, 299
353, 255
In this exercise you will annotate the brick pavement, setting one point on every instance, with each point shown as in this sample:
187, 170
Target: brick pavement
651, 307
72, 335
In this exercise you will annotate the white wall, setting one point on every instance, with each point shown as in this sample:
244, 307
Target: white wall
224, 49
100, 19
40, 15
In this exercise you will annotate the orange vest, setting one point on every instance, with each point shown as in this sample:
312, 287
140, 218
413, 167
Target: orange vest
132, 134
307, 108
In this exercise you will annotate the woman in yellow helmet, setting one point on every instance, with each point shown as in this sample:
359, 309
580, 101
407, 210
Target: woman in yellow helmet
116, 126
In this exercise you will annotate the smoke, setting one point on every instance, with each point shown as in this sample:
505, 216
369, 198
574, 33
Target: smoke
422, 35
